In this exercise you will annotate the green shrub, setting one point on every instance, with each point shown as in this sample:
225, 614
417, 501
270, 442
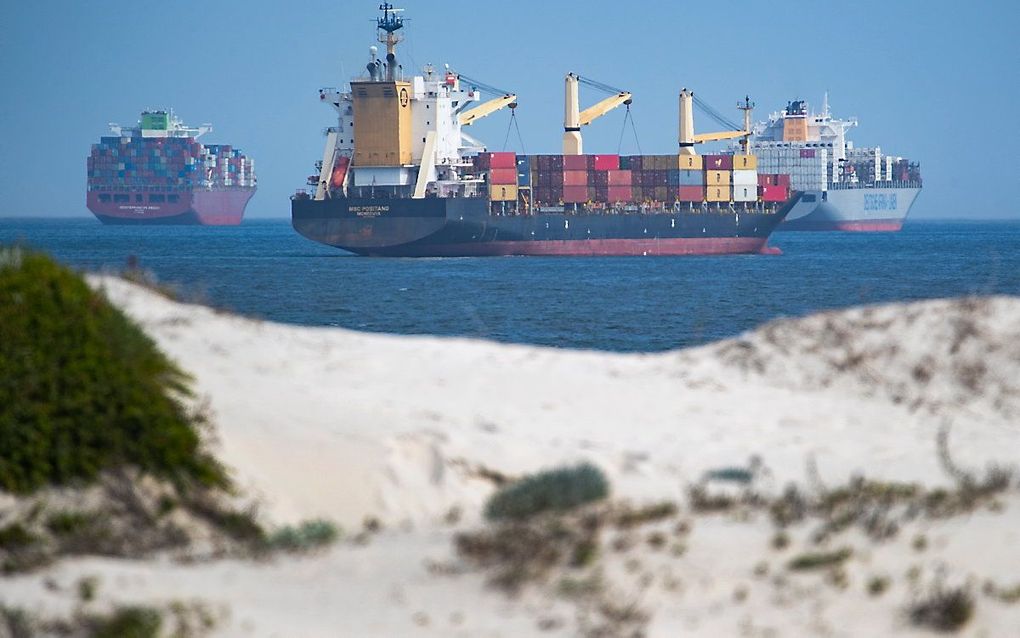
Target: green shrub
306, 536
818, 560
128, 622
558, 489
82, 389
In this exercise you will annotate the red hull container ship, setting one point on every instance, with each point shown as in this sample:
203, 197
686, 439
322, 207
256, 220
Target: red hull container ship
159, 173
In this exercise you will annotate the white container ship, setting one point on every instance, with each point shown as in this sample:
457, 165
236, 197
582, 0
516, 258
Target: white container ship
845, 188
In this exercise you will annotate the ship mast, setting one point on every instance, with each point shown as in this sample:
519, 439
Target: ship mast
388, 25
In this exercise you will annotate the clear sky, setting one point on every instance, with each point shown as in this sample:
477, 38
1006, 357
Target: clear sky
935, 81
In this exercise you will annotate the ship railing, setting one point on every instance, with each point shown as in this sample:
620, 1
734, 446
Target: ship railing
838, 186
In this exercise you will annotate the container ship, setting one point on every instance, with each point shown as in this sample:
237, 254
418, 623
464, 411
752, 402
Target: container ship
400, 177
159, 173
845, 188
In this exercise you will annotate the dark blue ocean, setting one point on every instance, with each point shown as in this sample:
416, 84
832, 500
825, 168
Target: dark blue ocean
264, 269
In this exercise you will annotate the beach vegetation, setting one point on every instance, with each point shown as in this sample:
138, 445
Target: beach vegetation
551, 490
819, 560
941, 608
305, 537
83, 389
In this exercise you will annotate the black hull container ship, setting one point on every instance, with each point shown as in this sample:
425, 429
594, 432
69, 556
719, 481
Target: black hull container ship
399, 177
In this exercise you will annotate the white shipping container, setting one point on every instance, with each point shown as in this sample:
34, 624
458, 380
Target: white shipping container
745, 178
745, 193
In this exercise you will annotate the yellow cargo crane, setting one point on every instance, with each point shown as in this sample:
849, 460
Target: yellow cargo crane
505, 99
574, 118
687, 137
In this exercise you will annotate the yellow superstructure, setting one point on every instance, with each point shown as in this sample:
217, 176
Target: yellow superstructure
382, 123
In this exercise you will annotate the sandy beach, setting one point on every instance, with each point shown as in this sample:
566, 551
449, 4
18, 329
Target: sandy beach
346, 426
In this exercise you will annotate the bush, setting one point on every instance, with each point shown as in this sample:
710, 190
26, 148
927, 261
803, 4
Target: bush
943, 609
128, 622
82, 389
307, 536
559, 489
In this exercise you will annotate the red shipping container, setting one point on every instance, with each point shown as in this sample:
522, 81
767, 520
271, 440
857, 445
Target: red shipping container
606, 162
691, 193
766, 179
575, 194
575, 178
718, 162
620, 194
503, 160
619, 178
635, 163
774, 193
575, 163
503, 176
783, 179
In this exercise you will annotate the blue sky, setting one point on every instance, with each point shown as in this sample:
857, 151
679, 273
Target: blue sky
933, 81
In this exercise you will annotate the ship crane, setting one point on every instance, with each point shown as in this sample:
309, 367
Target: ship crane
505, 99
687, 136
574, 118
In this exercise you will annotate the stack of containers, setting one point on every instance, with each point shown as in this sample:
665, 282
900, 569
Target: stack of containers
745, 178
773, 187
691, 179
807, 167
502, 170
718, 177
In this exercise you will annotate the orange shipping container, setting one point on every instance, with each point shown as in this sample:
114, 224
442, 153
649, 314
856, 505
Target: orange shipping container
717, 178
717, 194
503, 193
690, 162
744, 162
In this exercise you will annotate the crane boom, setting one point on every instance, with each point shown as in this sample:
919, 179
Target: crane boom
715, 137
487, 108
598, 110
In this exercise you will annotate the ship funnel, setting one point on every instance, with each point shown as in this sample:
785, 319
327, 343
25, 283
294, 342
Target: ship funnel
391, 66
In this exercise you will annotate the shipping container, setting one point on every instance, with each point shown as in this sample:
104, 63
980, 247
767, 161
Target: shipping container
503, 193
662, 193
691, 193
503, 175
741, 162
774, 193
575, 194
625, 162
620, 193
619, 177
745, 178
745, 192
605, 162
503, 160
718, 162
575, 163
691, 178
717, 178
717, 194
575, 178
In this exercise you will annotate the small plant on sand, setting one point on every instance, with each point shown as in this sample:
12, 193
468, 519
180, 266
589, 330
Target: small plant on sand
552, 490
943, 608
127, 622
307, 536
818, 560
877, 585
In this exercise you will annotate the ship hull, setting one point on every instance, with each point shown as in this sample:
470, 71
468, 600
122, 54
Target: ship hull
211, 207
853, 210
464, 227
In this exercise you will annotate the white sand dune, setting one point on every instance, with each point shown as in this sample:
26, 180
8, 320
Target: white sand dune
331, 423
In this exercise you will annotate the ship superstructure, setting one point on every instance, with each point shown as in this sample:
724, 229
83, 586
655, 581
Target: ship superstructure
159, 173
845, 187
400, 176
